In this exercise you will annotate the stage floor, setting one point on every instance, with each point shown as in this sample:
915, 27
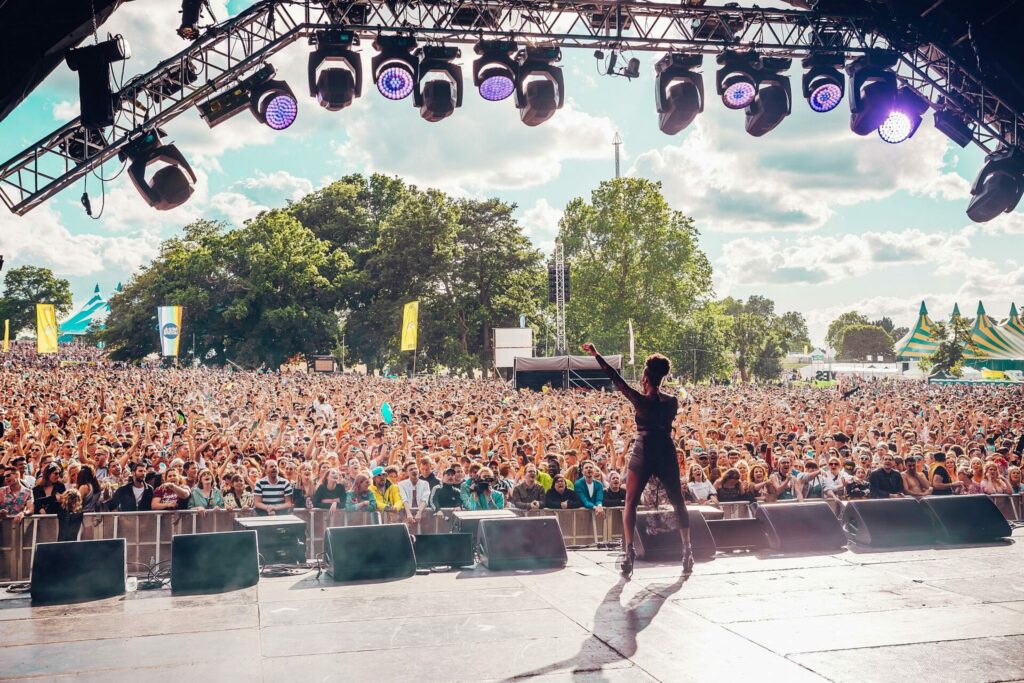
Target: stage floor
953, 614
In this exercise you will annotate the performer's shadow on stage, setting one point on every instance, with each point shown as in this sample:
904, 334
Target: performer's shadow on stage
616, 627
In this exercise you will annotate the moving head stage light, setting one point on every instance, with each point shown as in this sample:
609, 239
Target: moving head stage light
823, 84
271, 102
394, 66
749, 81
998, 187
872, 90
171, 185
540, 86
495, 71
341, 81
92, 63
439, 88
678, 91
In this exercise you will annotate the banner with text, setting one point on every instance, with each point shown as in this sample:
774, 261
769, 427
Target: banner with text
46, 329
410, 321
169, 323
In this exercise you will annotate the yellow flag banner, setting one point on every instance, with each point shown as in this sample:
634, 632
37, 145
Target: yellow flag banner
7, 336
46, 329
410, 323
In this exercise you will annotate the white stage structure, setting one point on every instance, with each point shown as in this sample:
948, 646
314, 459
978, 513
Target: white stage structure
510, 343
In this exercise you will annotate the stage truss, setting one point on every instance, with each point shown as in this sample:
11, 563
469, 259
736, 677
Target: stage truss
228, 51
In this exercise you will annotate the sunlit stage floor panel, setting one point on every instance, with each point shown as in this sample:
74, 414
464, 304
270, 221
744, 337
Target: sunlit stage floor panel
946, 614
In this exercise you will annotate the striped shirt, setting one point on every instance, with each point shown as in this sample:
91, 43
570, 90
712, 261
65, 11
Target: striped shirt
273, 494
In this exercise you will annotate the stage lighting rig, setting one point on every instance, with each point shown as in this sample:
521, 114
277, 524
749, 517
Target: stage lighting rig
191, 10
999, 185
774, 99
953, 127
540, 86
823, 83
77, 144
905, 117
395, 66
172, 184
678, 91
630, 71
736, 81
271, 102
872, 90
495, 71
92, 63
439, 88
341, 81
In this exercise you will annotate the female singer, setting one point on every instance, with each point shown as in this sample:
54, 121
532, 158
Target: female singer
654, 453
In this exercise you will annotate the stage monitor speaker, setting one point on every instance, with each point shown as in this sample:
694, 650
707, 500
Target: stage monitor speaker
76, 571
522, 543
443, 550
280, 539
656, 537
468, 521
213, 563
738, 534
374, 552
966, 519
801, 527
888, 523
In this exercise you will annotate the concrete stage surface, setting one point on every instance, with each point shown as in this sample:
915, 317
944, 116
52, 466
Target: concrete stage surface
950, 614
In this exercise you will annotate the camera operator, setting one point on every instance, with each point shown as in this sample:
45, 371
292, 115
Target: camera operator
482, 495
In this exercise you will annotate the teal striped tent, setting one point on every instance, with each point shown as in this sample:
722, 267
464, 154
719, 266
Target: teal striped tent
920, 341
996, 346
94, 310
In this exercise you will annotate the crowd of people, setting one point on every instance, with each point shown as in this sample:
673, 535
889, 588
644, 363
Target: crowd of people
80, 433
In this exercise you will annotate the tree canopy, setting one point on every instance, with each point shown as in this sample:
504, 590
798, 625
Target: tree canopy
26, 286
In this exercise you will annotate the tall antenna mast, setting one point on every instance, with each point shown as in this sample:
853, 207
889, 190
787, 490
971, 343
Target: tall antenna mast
617, 142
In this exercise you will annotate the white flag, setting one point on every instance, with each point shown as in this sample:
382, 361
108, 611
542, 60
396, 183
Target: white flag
632, 358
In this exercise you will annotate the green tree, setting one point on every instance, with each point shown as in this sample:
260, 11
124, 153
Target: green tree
954, 338
703, 345
857, 342
26, 286
835, 328
795, 326
632, 257
759, 337
255, 295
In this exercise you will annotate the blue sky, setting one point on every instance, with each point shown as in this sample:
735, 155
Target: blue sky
811, 215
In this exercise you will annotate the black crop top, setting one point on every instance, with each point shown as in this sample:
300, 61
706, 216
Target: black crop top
653, 414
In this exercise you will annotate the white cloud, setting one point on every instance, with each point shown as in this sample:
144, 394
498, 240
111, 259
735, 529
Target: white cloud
484, 147
1004, 224
281, 182
236, 207
65, 111
40, 238
820, 259
540, 222
794, 178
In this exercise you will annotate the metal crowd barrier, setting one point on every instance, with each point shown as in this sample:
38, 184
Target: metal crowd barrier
148, 534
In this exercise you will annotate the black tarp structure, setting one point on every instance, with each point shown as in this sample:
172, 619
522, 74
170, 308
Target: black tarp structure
563, 372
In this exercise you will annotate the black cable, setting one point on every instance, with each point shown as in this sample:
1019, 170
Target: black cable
23, 587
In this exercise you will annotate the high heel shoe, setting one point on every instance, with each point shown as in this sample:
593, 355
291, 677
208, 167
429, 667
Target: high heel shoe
627, 562
687, 559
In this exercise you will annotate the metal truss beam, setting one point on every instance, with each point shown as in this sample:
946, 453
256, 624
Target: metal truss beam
228, 51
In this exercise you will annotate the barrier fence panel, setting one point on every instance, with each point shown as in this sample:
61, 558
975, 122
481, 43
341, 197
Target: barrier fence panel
148, 535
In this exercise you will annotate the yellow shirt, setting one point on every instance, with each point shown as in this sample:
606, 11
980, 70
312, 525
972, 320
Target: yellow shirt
390, 496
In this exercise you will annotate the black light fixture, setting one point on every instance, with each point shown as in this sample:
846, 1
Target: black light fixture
905, 117
774, 99
190, 12
540, 86
82, 144
439, 87
172, 184
341, 81
678, 91
999, 185
495, 71
953, 127
736, 80
395, 66
872, 90
823, 84
92, 63
272, 102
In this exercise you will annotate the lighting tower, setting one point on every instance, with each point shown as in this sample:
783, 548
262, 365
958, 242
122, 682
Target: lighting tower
560, 345
617, 141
